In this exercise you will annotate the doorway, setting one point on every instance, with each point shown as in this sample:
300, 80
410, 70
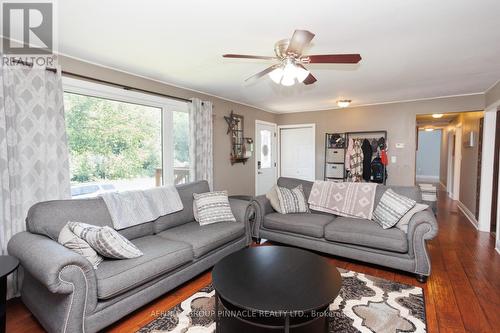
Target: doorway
297, 151
428, 156
265, 156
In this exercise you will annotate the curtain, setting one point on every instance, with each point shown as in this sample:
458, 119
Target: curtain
34, 163
201, 140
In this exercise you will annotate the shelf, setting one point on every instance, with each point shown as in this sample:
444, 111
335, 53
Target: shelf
335, 163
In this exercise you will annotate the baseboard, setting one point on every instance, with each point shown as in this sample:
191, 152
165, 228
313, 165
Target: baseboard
430, 179
468, 214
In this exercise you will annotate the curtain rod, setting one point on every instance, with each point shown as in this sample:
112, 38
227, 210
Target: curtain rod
125, 87
54, 70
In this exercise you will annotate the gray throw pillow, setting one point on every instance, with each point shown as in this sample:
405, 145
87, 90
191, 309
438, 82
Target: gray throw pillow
292, 201
212, 207
272, 196
68, 239
391, 208
105, 241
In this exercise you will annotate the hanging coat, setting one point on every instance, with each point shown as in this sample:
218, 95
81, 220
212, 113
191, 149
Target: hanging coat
367, 159
349, 152
356, 162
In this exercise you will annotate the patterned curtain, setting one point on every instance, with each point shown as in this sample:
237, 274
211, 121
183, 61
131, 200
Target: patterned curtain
201, 144
34, 162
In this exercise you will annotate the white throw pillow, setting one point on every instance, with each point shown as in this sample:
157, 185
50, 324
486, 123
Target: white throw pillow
405, 220
272, 196
212, 207
68, 239
292, 200
106, 241
391, 208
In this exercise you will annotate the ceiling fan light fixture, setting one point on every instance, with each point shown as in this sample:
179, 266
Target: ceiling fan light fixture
343, 103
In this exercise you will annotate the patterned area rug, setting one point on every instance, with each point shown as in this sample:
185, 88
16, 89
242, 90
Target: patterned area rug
365, 304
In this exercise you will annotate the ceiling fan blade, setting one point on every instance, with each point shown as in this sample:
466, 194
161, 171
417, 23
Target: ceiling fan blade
262, 73
245, 56
310, 79
333, 59
300, 39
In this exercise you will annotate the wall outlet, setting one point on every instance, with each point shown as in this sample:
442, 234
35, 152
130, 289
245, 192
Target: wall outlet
393, 159
400, 145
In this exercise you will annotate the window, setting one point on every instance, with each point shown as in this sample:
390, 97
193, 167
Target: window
123, 140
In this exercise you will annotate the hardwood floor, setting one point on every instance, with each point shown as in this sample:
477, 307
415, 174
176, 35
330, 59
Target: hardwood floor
462, 294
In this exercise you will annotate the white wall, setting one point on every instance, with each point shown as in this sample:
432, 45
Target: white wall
428, 155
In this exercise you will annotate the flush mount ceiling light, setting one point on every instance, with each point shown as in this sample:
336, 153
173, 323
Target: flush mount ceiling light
343, 103
437, 115
429, 129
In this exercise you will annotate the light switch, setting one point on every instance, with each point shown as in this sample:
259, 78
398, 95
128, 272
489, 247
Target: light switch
400, 145
393, 159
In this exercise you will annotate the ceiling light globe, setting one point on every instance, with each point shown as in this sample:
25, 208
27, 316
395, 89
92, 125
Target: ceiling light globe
288, 80
301, 73
276, 75
343, 103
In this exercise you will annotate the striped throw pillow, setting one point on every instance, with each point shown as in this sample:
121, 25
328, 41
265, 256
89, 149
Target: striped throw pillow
292, 200
212, 207
105, 241
68, 239
391, 208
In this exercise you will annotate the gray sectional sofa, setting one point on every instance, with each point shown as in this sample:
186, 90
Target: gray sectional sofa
352, 238
66, 294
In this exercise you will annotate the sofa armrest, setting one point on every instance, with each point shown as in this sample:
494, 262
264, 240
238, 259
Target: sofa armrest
59, 269
241, 210
422, 226
262, 207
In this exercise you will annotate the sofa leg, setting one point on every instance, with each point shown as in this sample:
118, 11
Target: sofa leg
421, 278
257, 241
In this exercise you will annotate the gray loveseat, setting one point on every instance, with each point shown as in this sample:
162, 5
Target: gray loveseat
352, 238
66, 294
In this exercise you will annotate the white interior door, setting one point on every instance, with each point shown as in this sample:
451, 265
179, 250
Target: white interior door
297, 149
265, 156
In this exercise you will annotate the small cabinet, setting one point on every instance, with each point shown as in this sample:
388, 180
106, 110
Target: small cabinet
334, 170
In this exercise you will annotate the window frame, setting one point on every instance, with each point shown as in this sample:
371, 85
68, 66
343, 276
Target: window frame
166, 105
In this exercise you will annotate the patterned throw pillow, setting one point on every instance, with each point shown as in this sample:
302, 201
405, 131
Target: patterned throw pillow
106, 241
292, 201
391, 208
71, 241
212, 207
272, 196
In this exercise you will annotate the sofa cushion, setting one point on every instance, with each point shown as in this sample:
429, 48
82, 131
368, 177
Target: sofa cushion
307, 224
205, 238
49, 217
160, 257
366, 233
186, 214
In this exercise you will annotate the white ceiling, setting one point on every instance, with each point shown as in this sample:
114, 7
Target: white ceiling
411, 49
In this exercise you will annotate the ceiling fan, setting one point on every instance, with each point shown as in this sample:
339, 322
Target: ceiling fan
290, 68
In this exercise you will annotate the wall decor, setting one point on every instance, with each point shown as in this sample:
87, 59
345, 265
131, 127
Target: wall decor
241, 147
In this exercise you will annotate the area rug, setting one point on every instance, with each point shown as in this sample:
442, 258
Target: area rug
365, 304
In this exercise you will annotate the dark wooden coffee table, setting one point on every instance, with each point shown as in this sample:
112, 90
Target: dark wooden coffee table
269, 288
